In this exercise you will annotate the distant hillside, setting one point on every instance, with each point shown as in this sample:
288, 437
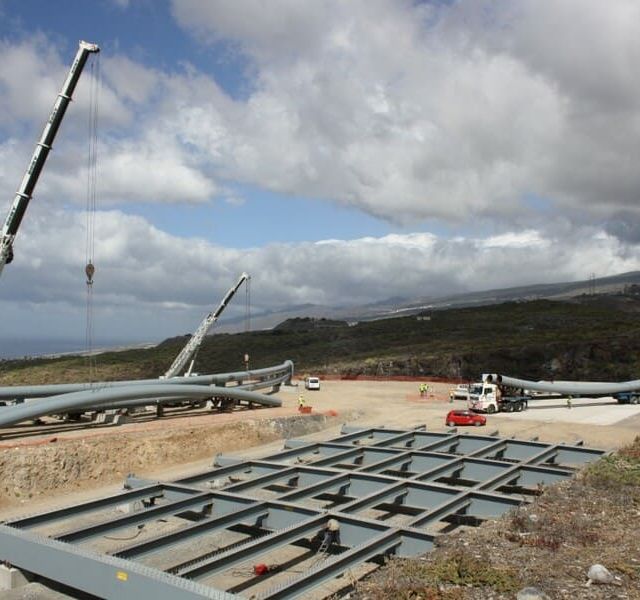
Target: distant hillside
308, 324
397, 306
589, 337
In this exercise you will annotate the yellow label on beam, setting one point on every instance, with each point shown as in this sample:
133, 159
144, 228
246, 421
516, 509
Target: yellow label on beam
122, 576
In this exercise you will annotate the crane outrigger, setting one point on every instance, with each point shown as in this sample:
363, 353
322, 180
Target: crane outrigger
44, 145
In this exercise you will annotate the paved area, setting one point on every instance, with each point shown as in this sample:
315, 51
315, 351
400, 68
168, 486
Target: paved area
584, 411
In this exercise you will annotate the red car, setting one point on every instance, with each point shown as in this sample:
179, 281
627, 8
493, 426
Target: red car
464, 417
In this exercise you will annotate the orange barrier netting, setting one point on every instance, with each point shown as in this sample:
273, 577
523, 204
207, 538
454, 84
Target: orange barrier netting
348, 377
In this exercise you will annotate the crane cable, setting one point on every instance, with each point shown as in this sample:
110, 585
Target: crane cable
92, 179
247, 305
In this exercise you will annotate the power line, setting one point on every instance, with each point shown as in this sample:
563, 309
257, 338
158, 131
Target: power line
247, 305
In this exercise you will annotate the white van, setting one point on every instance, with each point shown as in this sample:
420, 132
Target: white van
312, 383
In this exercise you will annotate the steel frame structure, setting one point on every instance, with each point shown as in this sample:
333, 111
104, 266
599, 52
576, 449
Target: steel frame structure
392, 491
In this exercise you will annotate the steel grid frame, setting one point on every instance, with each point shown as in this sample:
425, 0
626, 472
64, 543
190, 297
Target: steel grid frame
391, 490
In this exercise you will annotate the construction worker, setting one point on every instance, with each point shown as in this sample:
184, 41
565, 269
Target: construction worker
301, 401
421, 388
569, 403
332, 533
426, 389
451, 396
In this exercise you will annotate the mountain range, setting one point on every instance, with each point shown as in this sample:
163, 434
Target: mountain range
398, 306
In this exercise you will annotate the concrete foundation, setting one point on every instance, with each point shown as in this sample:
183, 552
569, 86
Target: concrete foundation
12, 578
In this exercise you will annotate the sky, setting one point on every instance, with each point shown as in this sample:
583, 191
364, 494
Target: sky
339, 152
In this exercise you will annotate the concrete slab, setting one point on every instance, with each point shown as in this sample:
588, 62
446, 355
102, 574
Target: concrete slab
585, 411
34, 591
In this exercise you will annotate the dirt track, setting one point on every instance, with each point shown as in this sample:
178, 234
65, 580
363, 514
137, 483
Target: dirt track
398, 404
38, 473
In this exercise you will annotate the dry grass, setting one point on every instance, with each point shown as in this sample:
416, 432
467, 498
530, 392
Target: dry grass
549, 544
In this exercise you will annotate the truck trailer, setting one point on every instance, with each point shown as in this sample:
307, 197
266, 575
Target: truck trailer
625, 392
627, 397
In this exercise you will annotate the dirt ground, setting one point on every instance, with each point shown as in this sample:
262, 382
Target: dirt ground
50, 465
55, 465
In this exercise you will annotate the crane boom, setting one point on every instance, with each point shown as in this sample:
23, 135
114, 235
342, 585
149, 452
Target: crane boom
196, 339
44, 145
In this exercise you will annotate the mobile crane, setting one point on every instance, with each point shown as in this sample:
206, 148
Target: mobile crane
197, 338
25, 191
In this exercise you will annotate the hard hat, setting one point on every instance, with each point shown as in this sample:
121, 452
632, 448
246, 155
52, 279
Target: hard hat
333, 525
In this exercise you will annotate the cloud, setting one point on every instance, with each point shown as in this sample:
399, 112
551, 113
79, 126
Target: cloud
407, 111
32, 72
413, 111
149, 282
142, 157
150, 169
457, 113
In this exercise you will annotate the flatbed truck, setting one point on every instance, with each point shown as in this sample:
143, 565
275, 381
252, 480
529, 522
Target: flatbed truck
627, 397
625, 392
492, 398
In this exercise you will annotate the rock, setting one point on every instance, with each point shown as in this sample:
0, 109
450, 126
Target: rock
218, 483
531, 593
600, 574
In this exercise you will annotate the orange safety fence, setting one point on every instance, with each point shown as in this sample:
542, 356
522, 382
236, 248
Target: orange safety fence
350, 377
37, 442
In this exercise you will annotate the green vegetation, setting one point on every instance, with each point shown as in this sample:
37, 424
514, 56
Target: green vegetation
594, 338
462, 568
413, 579
620, 471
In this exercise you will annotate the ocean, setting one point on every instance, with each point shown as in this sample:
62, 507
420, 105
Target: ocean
24, 347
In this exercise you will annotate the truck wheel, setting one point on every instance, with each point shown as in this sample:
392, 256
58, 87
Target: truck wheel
634, 399
491, 409
519, 407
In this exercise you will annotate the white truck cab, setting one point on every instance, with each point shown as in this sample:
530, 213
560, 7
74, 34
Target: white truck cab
484, 397
489, 397
312, 383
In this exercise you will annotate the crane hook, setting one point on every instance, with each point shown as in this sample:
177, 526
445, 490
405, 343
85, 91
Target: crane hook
89, 271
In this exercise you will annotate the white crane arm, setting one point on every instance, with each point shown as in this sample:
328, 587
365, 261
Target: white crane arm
44, 145
196, 339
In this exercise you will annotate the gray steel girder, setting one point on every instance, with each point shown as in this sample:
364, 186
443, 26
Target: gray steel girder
153, 491
422, 479
105, 576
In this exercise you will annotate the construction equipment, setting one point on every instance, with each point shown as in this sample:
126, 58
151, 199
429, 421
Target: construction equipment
25, 191
625, 392
491, 398
196, 339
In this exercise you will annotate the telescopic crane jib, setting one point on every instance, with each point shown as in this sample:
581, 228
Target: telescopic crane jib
196, 339
25, 191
